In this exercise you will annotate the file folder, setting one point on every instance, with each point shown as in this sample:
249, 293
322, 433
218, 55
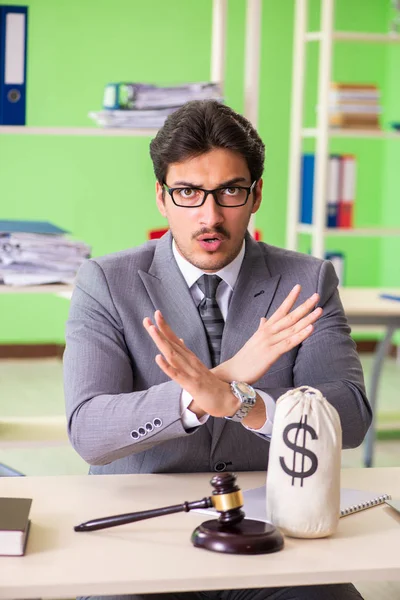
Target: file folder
13, 49
9, 226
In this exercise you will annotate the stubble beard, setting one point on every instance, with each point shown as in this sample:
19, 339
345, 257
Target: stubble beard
212, 262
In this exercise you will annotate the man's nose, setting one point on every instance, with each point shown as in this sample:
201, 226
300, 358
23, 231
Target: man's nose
211, 212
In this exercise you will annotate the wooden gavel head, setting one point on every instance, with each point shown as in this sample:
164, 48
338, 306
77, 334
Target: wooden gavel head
231, 532
227, 498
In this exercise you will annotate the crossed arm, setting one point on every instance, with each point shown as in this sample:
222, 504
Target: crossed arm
210, 389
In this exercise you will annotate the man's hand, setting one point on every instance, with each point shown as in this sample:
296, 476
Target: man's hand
210, 394
275, 336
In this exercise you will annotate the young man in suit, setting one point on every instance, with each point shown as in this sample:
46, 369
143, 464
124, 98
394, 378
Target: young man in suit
234, 327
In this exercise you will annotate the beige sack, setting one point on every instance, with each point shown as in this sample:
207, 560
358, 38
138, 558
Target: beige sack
303, 479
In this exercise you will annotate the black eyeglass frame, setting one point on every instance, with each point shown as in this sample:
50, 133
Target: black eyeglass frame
249, 191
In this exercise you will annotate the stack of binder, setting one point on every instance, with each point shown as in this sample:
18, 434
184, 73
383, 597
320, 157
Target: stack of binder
35, 253
354, 106
142, 105
340, 193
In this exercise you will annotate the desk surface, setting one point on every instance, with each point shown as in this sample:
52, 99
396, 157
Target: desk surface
50, 288
157, 555
358, 302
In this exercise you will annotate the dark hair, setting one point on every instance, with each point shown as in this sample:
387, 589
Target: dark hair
199, 126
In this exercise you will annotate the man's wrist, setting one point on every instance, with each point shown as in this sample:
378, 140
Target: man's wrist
195, 408
228, 403
222, 372
257, 416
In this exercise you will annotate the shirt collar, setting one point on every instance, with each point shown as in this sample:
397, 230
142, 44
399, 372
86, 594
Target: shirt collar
229, 274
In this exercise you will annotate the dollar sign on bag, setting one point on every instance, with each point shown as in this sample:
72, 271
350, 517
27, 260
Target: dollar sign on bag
301, 474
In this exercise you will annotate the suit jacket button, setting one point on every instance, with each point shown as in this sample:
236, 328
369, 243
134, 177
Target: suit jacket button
135, 435
220, 466
142, 431
157, 422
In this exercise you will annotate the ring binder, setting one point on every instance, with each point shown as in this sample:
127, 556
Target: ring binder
13, 48
360, 500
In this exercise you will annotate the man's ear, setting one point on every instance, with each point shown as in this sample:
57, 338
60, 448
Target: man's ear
257, 193
160, 193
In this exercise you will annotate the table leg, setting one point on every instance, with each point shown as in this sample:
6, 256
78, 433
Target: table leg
380, 354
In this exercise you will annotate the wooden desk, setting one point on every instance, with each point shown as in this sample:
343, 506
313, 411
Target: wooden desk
157, 555
363, 306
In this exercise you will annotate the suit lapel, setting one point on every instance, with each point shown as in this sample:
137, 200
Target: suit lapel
251, 299
169, 293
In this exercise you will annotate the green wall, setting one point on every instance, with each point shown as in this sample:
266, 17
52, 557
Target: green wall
102, 189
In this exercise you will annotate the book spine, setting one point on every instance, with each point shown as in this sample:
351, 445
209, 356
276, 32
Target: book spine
347, 191
332, 193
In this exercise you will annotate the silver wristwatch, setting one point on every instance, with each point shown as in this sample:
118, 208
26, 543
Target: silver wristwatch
247, 397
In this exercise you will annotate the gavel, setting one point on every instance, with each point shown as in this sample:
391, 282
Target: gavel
230, 533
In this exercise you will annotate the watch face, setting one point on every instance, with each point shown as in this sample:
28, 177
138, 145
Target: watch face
245, 389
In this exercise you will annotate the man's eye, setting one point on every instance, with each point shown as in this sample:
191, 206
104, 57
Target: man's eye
230, 191
187, 192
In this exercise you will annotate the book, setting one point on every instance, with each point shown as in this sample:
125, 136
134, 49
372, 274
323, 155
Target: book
332, 191
351, 501
14, 525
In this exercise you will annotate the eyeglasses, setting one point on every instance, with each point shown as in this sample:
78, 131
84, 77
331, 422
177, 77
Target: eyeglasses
193, 197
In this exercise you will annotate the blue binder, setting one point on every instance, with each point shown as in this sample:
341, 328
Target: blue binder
13, 37
307, 188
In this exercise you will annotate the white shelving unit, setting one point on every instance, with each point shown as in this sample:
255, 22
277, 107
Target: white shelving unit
322, 133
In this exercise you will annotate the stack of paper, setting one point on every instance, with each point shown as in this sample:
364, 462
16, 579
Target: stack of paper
354, 106
131, 118
33, 253
143, 105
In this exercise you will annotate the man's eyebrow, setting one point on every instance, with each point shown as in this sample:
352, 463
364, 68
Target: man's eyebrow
223, 184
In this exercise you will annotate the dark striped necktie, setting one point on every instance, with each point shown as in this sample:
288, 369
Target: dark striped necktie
211, 315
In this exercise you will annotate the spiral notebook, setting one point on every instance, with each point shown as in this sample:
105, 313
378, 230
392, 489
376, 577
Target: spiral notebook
351, 501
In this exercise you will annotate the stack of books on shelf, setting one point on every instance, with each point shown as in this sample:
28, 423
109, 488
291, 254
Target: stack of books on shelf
354, 106
37, 252
142, 105
340, 192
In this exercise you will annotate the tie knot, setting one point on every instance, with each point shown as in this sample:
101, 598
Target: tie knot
208, 285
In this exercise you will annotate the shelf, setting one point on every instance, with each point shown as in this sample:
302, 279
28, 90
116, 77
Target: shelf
59, 289
351, 232
355, 36
83, 131
353, 133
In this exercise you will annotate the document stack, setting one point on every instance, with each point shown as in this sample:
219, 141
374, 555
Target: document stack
354, 106
35, 253
142, 105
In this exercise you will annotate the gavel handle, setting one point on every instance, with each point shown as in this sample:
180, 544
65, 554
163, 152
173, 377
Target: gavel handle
115, 520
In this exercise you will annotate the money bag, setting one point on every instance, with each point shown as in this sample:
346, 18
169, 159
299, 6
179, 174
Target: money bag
303, 478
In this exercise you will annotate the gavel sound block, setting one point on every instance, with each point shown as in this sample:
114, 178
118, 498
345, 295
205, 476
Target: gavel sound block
230, 533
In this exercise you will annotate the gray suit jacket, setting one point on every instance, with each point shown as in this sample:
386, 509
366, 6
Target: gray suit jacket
123, 412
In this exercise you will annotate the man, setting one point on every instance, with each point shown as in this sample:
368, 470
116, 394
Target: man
222, 306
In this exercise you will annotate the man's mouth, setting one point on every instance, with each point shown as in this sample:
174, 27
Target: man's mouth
210, 242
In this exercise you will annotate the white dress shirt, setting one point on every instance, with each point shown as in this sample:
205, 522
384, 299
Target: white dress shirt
229, 275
